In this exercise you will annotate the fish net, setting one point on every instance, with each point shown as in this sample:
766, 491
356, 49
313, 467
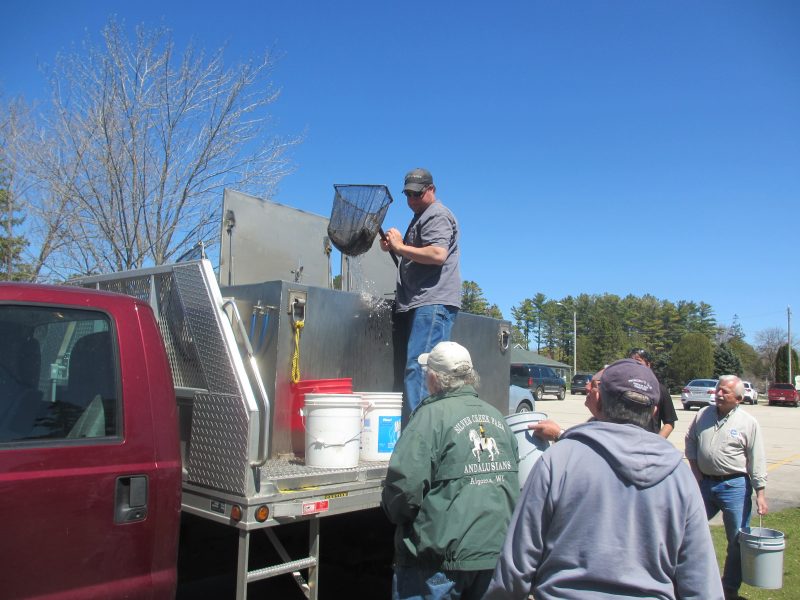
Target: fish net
357, 215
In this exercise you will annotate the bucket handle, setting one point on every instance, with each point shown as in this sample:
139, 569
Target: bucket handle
521, 458
323, 442
760, 529
759, 537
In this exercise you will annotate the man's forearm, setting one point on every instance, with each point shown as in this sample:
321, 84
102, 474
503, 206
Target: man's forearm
427, 255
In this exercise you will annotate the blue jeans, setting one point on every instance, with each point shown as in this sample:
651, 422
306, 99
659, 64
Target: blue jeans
411, 583
428, 325
733, 498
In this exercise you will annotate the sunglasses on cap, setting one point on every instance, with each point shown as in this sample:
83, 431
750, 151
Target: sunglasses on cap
640, 352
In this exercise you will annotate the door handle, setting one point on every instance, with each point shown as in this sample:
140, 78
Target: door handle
130, 499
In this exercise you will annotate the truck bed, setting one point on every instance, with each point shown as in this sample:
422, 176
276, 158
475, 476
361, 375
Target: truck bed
291, 490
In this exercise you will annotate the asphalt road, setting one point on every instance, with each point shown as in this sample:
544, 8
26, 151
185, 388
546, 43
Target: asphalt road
780, 426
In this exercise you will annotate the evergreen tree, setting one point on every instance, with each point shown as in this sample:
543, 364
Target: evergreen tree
538, 302
671, 323
12, 267
726, 361
525, 320
660, 367
549, 329
494, 311
735, 331
751, 363
608, 326
474, 302
692, 358
707, 323
782, 365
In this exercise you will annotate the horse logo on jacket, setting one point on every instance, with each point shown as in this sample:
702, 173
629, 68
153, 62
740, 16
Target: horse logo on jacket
480, 443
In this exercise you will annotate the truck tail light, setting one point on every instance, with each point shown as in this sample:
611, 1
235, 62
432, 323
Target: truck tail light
236, 513
530, 381
262, 513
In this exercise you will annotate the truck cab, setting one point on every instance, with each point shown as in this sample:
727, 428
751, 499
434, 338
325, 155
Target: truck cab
90, 473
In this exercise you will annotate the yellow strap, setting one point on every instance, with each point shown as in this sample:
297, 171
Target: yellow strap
295, 377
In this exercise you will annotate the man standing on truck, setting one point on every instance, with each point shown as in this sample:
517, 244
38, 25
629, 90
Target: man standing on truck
726, 455
428, 295
610, 510
451, 485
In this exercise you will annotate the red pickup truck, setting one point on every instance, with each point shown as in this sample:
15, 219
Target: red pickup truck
120, 413
90, 467
782, 393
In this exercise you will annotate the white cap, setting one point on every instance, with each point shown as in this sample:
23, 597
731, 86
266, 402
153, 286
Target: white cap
448, 358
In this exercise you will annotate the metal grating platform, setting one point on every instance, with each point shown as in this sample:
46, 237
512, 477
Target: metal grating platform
289, 474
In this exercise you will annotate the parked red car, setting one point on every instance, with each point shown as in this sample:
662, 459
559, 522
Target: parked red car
782, 393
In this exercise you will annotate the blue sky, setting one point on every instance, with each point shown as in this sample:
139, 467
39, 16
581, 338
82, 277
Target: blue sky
586, 146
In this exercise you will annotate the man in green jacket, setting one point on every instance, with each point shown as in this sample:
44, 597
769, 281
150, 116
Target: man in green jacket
451, 485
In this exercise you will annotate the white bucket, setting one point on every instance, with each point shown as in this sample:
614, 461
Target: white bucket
529, 446
762, 557
381, 429
333, 429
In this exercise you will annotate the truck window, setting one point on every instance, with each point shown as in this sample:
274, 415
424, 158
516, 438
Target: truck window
58, 375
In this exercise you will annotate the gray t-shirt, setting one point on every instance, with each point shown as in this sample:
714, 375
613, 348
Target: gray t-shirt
423, 285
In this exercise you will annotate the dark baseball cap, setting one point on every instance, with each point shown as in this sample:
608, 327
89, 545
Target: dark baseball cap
630, 381
417, 180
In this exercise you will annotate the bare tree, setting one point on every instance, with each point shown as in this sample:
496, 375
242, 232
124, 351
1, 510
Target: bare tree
768, 341
139, 143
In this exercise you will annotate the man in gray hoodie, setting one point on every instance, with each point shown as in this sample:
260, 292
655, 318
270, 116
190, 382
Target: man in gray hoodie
610, 511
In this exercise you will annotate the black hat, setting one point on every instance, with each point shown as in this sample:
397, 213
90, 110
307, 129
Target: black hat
417, 180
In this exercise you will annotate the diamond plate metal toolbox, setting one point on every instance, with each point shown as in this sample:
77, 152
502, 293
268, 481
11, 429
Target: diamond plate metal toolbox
223, 408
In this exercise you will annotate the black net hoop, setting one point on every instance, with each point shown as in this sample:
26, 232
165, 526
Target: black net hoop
357, 215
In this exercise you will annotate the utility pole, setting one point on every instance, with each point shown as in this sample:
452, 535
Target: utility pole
789, 341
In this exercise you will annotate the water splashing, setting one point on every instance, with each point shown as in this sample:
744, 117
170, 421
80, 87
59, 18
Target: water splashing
367, 290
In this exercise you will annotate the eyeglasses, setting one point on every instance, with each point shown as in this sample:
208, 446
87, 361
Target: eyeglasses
415, 194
